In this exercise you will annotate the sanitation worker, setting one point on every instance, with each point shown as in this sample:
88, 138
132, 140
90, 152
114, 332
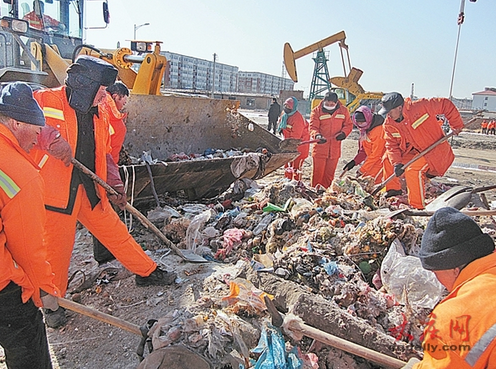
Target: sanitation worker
461, 331
114, 102
484, 127
273, 115
26, 278
371, 144
491, 127
293, 125
77, 127
410, 128
329, 121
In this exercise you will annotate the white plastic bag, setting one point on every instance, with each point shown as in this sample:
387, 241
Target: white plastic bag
400, 272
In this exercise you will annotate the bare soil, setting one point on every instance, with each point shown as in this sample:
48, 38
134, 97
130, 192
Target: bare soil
86, 343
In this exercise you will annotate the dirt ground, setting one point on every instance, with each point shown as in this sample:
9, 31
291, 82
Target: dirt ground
86, 343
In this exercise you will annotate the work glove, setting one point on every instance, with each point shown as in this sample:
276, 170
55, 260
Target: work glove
411, 363
340, 136
350, 165
321, 139
49, 301
114, 181
50, 140
398, 170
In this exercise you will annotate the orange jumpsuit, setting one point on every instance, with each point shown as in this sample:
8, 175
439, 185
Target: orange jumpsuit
35, 21
371, 151
117, 127
416, 132
68, 205
484, 127
22, 217
297, 127
491, 126
326, 156
461, 331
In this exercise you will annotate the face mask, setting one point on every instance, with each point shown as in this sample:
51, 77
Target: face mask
287, 110
330, 107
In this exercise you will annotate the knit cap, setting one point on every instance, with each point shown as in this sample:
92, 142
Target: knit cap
452, 239
17, 102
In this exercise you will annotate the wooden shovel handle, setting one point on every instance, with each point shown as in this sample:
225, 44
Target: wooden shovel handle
98, 315
342, 344
143, 219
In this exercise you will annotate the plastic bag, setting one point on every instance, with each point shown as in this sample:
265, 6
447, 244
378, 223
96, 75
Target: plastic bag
193, 235
273, 351
400, 272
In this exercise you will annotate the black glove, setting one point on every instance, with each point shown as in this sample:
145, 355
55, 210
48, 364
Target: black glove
340, 136
398, 170
350, 165
321, 139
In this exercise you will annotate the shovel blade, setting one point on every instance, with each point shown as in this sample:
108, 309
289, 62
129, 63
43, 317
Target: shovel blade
442, 200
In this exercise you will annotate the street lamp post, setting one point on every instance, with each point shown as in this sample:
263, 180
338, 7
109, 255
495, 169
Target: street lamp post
138, 27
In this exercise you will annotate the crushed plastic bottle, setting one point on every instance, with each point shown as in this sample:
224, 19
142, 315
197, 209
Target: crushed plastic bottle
264, 223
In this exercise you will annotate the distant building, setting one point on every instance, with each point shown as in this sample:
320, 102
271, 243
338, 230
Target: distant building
196, 75
188, 73
485, 100
261, 83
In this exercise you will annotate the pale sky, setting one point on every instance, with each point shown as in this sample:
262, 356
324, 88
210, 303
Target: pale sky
395, 42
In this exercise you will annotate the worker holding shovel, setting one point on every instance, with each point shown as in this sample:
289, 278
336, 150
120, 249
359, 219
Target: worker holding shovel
78, 129
26, 279
371, 144
410, 128
293, 125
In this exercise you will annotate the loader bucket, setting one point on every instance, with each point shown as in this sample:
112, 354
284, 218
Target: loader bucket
169, 124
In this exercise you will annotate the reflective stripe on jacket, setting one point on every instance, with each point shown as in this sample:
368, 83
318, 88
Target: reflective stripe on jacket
462, 330
61, 116
329, 125
420, 129
22, 219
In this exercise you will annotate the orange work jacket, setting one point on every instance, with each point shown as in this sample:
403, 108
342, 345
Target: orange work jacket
484, 124
491, 124
117, 127
461, 331
57, 176
420, 129
374, 146
297, 127
22, 218
329, 125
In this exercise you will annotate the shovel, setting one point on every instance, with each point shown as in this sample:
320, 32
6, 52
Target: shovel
427, 213
295, 324
456, 197
186, 255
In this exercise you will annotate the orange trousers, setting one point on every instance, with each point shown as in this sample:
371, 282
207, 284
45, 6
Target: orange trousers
293, 168
60, 231
323, 171
415, 181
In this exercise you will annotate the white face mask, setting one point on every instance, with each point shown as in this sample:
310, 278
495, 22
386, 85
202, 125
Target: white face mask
328, 105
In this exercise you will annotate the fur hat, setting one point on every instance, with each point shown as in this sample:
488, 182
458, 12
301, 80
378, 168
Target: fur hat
17, 102
452, 239
84, 78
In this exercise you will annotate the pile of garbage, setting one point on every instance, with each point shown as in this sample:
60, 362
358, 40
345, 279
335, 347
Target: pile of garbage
339, 246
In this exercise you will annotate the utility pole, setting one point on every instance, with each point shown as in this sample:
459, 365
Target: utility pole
412, 93
213, 76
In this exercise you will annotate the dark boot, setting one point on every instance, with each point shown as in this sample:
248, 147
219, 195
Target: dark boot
158, 277
55, 319
391, 193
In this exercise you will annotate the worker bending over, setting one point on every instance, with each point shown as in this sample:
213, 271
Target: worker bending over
410, 128
26, 278
371, 144
78, 127
331, 122
461, 332
293, 125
